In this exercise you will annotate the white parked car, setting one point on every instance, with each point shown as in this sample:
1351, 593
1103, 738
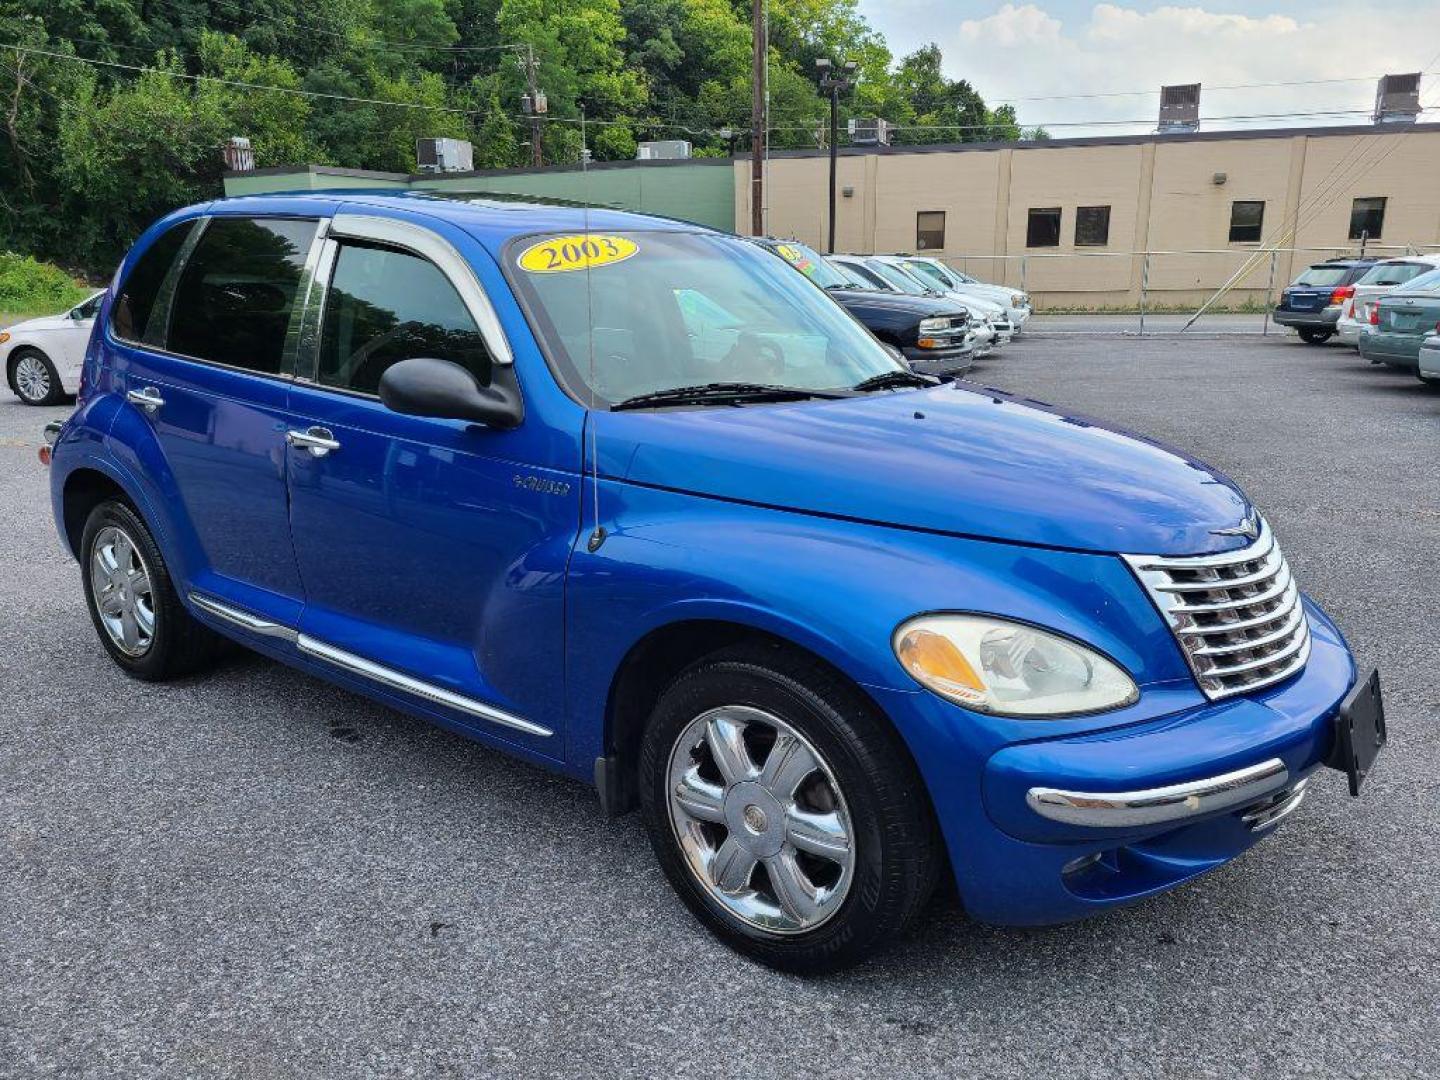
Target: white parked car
43, 357
1016, 303
1355, 316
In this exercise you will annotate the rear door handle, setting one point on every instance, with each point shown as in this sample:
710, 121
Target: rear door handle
148, 399
318, 440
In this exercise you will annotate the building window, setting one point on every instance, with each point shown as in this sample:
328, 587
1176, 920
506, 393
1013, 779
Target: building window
930, 230
1092, 226
1247, 220
1044, 228
1367, 218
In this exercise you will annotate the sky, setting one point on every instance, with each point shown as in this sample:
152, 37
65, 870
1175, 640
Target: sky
1021, 51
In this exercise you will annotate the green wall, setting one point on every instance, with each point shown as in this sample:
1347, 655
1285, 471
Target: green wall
703, 193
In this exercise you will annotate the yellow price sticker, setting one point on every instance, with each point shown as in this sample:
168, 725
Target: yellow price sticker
560, 254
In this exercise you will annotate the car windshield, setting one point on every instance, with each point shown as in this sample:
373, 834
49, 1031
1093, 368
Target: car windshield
932, 275
621, 315
898, 279
1393, 273
851, 275
812, 265
1323, 276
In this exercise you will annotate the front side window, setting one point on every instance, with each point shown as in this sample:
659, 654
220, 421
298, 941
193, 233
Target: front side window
1043, 229
677, 309
1092, 226
1247, 220
930, 230
867, 278
384, 306
1367, 218
130, 314
89, 308
233, 302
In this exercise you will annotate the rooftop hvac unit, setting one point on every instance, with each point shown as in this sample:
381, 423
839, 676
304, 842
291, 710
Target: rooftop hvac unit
1397, 99
869, 131
444, 155
1180, 108
662, 150
238, 155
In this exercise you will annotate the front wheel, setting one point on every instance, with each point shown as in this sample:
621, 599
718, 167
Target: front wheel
782, 807
1316, 337
34, 379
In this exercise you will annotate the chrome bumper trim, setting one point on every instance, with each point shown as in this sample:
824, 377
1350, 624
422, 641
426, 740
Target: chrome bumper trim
398, 680
243, 619
1154, 806
1275, 809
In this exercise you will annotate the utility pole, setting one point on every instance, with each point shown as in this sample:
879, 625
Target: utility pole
535, 106
758, 75
833, 82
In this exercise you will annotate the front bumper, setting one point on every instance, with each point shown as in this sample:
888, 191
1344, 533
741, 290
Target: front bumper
1323, 319
1124, 813
941, 361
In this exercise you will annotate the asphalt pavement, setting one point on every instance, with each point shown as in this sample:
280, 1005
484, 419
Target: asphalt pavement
256, 874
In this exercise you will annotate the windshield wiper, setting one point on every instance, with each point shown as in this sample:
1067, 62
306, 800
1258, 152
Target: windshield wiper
719, 393
888, 380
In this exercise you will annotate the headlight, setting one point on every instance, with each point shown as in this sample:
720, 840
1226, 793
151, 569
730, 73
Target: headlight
934, 326
997, 666
4, 337
1019, 300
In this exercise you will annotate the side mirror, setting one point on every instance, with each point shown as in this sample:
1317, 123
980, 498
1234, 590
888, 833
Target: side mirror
424, 386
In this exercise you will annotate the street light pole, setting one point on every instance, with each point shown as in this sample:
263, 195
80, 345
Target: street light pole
834, 83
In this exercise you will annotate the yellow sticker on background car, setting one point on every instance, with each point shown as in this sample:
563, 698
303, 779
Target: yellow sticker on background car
583, 252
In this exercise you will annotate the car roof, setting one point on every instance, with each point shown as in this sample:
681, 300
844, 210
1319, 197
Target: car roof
492, 218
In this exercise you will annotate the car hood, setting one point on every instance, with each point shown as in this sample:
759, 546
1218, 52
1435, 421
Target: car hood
43, 324
978, 304
961, 461
875, 300
997, 293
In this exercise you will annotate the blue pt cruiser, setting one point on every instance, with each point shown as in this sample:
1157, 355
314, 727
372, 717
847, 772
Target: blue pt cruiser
634, 501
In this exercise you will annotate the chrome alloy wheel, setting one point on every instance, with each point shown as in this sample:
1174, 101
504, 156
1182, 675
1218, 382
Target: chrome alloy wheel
32, 378
761, 821
120, 581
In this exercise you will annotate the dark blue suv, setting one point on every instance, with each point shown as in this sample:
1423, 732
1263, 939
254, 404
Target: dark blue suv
634, 501
1312, 303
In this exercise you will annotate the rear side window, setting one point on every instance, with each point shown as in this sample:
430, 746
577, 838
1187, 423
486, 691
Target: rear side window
385, 306
130, 315
1321, 276
233, 302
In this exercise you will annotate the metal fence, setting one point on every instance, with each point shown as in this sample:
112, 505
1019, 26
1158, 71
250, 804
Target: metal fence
1215, 290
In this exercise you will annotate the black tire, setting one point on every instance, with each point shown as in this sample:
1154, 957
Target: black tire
178, 645
54, 393
1430, 384
1316, 337
897, 855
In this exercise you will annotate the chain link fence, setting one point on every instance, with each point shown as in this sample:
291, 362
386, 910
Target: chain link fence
1232, 290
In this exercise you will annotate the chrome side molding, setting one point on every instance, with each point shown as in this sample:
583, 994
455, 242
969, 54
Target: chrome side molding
359, 665
1154, 806
398, 680
242, 619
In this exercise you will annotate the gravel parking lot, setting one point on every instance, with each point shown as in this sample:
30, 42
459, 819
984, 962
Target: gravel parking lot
256, 874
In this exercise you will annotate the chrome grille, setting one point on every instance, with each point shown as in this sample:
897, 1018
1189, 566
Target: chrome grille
1237, 615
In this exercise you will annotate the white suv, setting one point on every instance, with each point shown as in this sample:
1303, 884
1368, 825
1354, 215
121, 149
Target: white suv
1015, 302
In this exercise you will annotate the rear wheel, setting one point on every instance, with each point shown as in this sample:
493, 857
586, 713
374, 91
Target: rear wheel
34, 378
1430, 382
133, 603
783, 809
1316, 337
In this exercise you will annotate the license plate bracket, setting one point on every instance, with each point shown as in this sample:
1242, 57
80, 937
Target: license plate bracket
1359, 731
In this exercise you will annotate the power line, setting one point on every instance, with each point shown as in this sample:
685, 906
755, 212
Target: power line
1208, 89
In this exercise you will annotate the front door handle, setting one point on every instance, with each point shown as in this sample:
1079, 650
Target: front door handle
148, 399
318, 440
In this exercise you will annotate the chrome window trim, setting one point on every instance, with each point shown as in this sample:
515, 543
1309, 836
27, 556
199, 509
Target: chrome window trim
428, 244
1154, 806
359, 665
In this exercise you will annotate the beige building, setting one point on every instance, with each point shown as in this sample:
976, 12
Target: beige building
1071, 219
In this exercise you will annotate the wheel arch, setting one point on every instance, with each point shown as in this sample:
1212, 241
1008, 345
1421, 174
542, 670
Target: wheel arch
86, 488
660, 656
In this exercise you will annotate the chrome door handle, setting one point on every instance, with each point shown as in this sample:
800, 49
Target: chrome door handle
148, 399
318, 440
